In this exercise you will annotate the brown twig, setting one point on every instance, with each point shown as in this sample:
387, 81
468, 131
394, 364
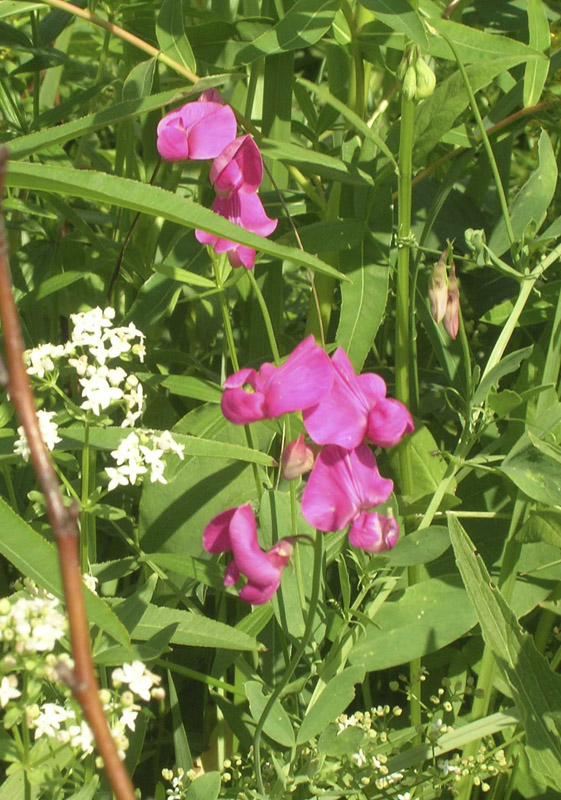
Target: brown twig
63, 522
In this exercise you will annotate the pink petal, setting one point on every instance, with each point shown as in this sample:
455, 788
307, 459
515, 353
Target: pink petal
258, 595
341, 416
211, 126
242, 256
172, 142
239, 167
216, 536
343, 483
259, 568
232, 574
243, 400
388, 422
374, 532
205, 238
252, 215
210, 95
302, 381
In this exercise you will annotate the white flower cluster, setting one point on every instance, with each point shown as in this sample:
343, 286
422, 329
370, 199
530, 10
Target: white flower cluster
140, 452
93, 343
62, 722
32, 623
49, 434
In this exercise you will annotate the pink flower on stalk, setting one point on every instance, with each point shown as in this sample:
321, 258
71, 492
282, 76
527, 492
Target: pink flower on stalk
238, 168
343, 485
236, 530
245, 210
302, 381
196, 131
297, 459
355, 409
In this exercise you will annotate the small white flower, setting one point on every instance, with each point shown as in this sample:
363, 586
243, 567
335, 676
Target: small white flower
128, 717
41, 359
8, 689
359, 758
447, 767
50, 719
139, 679
49, 434
91, 582
81, 737
167, 443
404, 796
98, 392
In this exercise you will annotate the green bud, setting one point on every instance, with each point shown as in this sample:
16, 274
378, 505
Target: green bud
426, 79
410, 83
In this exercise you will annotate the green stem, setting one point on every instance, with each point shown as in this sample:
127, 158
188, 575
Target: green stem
402, 347
486, 143
37, 73
299, 652
266, 317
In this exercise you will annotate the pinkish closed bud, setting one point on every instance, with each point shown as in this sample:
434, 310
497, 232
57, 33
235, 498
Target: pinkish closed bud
452, 316
297, 459
438, 289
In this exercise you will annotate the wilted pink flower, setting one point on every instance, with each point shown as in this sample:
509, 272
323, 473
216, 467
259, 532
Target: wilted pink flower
451, 320
303, 379
236, 530
438, 289
238, 168
245, 210
343, 486
356, 408
196, 131
297, 459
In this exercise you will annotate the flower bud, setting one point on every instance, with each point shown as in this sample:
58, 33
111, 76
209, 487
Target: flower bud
410, 83
158, 693
426, 79
297, 458
438, 289
452, 316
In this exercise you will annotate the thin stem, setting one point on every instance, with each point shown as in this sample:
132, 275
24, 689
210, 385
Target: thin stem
486, 143
266, 317
295, 660
125, 35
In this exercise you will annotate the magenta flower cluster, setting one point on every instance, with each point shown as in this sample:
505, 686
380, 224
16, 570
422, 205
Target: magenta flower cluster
342, 411
207, 129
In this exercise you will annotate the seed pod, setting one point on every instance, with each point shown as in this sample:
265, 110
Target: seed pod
426, 79
410, 83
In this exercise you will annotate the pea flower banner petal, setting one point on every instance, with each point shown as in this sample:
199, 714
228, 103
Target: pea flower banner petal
356, 408
238, 168
303, 379
236, 530
343, 484
196, 131
374, 532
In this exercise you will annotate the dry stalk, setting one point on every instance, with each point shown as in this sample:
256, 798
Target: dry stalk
82, 681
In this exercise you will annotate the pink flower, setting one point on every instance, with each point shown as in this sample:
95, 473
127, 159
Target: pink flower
196, 131
355, 409
236, 530
302, 381
210, 95
297, 459
343, 486
245, 210
238, 168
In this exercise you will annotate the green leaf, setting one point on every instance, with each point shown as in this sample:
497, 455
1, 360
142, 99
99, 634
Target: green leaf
535, 468
315, 163
170, 31
334, 699
420, 547
37, 559
352, 118
152, 200
302, 26
424, 618
88, 791
536, 689
205, 787
508, 364
139, 81
190, 629
427, 463
542, 526
535, 73
532, 201
474, 45
181, 747
363, 302
277, 725
400, 16
197, 569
